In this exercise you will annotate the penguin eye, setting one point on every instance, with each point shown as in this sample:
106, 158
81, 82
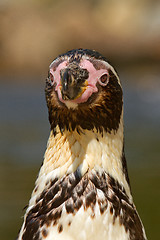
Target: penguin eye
104, 79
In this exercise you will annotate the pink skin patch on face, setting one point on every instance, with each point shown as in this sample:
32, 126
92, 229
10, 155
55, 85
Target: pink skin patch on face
94, 76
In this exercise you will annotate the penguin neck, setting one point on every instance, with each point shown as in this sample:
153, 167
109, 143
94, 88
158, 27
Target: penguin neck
89, 150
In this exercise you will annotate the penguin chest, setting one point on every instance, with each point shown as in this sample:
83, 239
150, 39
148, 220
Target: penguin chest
86, 224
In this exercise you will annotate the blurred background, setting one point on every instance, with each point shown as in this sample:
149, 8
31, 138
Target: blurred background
32, 34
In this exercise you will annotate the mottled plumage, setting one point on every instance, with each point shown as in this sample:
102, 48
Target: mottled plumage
83, 190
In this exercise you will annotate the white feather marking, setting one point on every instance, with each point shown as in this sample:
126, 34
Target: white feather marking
84, 226
71, 104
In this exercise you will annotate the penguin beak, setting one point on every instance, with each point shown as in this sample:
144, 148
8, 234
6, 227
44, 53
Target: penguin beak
72, 88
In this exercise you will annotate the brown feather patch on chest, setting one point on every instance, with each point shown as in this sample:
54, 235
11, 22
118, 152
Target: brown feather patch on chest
72, 192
